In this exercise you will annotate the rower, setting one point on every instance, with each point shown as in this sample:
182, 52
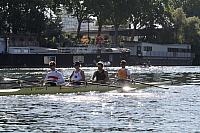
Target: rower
123, 74
54, 77
78, 76
101, 75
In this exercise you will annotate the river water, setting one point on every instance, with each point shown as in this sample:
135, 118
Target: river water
152, 109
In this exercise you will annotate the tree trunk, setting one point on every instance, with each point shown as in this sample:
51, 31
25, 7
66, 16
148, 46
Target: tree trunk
100, 26
116, 41
99, 29
78, 30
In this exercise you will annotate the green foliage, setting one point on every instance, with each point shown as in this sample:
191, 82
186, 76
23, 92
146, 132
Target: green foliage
29, 17
78, 10
119, 14
192, 30
179, 20
99, 9
42, 17
190, 7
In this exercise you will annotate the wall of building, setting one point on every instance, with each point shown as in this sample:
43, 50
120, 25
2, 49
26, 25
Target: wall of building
2, 45
154, 61
62, 60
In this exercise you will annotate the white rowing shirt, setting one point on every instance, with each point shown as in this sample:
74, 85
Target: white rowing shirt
76, 76
55, 76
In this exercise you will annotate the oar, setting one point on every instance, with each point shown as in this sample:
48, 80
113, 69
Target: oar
123, 88
103, 84
33, 82
8, 81
134, 81
4, 83
149, 84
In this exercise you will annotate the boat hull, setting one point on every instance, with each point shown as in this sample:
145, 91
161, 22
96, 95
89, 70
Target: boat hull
33, 90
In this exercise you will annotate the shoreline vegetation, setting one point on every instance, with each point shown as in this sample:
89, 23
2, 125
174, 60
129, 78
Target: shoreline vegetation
178, 20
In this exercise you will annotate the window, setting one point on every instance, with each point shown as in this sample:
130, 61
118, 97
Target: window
78, 58
172, 49
47, 59
147, 48
17, 51
185, 50
180, 50
26, 51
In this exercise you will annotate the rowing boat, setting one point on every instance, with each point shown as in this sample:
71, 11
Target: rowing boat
32, 90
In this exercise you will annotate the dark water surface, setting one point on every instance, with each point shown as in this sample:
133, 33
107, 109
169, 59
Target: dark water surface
153, 109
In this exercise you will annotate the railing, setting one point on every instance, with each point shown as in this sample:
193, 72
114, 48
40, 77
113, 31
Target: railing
77, 50
166, 54
31, 50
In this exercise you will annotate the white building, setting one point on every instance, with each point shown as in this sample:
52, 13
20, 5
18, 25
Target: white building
161, 50
160, 54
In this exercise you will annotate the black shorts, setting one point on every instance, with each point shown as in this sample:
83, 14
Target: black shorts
76, 83
51, 84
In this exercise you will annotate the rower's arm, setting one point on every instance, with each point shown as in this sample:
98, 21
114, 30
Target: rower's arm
128, 74
60, 78
94, 75
116, 75
46, 77
70, 77
106, 74
83, 75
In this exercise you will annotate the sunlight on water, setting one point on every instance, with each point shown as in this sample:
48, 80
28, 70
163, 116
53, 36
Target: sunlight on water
89, 98
151, 109
137, 94
127, 88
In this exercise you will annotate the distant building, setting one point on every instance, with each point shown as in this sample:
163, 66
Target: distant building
159, 54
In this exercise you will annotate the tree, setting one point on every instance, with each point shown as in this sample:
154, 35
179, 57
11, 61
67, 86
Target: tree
192, 30
29, 17
179, 20
190, 7
99, 9
119, 14
78, 10
150, 15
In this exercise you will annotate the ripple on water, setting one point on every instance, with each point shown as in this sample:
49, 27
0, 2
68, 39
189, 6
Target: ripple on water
149, 110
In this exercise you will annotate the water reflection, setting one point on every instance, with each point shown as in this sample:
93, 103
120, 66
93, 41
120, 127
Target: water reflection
177, 75
148, 110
